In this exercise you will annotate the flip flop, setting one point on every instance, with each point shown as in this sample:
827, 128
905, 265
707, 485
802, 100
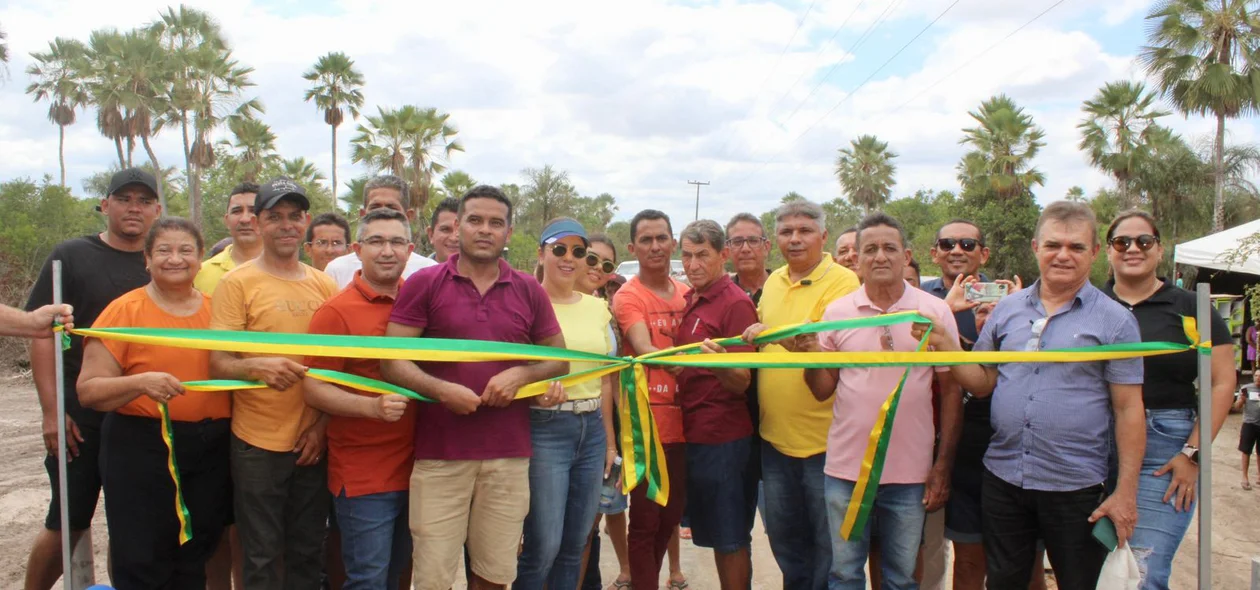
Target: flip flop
621, 585
677, 584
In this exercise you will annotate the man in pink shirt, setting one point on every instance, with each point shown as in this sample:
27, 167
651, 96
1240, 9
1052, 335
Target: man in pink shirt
915, 479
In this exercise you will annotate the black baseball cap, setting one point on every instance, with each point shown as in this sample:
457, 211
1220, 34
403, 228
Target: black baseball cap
131, 176
278, 190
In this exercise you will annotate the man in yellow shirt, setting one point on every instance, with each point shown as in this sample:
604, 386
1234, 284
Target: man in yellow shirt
793, 422
278, 470
246, 244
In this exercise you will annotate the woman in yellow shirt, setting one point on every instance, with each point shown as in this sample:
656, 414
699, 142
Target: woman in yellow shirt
570, 440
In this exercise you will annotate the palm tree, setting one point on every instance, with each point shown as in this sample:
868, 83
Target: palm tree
56, 78
302, 171
457, 182
1004, 143
337, 85
1116, 131
1203, 57
381, 142
546, 195
866, 172
408, 142
255, 145
1075, 194
353, 198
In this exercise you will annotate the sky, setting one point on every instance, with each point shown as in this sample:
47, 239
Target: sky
637, 98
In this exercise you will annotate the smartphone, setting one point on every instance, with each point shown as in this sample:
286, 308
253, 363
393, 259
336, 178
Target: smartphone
986, 292
1105, 533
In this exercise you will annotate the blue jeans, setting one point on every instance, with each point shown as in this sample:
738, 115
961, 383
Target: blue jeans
796, 518
899, 512
375, 539
1160, 528
565, 476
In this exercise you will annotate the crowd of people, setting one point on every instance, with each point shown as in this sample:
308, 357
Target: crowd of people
307, 484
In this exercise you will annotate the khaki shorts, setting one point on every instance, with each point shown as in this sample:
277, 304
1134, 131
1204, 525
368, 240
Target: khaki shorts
481, 502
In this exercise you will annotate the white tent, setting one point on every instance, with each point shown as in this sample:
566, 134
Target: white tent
1212, 251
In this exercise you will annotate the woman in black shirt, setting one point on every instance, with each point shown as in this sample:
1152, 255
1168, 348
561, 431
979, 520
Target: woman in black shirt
1170, 469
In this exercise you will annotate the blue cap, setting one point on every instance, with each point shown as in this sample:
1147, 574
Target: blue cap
562, 228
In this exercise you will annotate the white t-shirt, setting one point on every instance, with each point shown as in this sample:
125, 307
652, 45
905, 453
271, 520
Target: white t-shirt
342, 268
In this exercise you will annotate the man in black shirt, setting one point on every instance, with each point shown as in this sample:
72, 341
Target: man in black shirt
95, 270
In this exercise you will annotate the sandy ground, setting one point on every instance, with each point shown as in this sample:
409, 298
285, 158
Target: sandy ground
24, 500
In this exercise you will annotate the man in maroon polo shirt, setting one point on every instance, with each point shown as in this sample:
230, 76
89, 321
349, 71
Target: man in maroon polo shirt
471, 477
721, 476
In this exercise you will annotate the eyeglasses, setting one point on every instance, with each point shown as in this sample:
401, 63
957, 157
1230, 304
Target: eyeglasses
1144, 242
738, 243
334, 244
379, 242
886, 339
947, 244
593, 260
560, 250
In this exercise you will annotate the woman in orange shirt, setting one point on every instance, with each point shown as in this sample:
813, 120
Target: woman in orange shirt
130, 381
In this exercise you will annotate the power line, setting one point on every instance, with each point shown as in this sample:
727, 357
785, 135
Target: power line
821, 49
850, 94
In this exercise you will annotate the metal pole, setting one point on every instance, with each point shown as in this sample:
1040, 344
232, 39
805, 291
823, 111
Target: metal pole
1205, 440
1255, 573
697, 183
62, 478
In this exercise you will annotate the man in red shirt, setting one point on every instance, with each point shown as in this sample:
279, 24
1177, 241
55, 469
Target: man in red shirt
721, 479
369, 436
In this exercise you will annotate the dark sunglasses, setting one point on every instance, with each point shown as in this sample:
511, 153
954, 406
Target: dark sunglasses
560, 250
947, 244
593, 260
1144, 242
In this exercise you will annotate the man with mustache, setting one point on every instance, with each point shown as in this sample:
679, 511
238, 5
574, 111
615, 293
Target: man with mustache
95, 270
245, 245
385, 191
278, 473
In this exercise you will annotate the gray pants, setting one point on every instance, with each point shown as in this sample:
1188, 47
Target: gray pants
281, 516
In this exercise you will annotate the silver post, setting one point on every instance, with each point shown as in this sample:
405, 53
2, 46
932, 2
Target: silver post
62, 475
1205, 440
698, 185
1255, 573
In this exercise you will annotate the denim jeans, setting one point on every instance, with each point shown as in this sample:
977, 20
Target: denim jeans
565, 476
796, 518
900, 521
1160, 528
375, 539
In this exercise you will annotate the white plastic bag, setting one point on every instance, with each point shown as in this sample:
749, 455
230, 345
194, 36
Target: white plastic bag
1120, 571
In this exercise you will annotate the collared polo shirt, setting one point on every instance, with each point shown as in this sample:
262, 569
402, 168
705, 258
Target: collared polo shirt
365, 456
711, 414
1052, 421
1170, 379
446, 304
212, 271
861, 391
791, 419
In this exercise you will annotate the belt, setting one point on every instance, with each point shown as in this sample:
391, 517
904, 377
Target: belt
582, 406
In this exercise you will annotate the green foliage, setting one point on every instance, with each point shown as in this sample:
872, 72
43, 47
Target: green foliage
1118, 131
1004, 143
1008, 224
866, 172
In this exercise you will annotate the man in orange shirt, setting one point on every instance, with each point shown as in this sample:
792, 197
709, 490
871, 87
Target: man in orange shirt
369, 436
279, 479
649, 309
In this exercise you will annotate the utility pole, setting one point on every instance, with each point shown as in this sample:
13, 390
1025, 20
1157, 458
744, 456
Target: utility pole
697, 183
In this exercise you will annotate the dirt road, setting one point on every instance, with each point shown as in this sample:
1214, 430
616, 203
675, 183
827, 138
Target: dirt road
24, 500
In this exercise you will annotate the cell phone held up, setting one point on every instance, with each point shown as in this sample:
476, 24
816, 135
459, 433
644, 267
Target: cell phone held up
986, 292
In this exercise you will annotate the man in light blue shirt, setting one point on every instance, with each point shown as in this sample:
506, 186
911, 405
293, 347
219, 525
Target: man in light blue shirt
1052, 422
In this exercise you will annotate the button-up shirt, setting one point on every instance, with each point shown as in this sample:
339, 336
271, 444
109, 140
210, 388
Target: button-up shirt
711, 414
1052, 421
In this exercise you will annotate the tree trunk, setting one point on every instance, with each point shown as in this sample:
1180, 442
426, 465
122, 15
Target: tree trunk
122, 162
61, 153
1218, 203
1124, 194
157, 168
194, 205
131, 149
194, 198
334, 167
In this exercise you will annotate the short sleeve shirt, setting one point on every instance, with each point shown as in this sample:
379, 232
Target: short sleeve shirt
1251, 405
446, 304
212, 271
1052, 421
585, 325
861, 391
712, 414
791, 419
93, 274
635, 303
1170, 379
137, 310
250, 299
342, 268
365, 456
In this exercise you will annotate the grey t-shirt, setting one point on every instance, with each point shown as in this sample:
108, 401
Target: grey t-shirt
1251, 412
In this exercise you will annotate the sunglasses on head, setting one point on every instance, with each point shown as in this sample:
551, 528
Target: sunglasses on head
560, 250
947, 244
1144, 242
593, 260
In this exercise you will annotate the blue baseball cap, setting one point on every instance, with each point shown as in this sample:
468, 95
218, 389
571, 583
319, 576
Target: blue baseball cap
562, 228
